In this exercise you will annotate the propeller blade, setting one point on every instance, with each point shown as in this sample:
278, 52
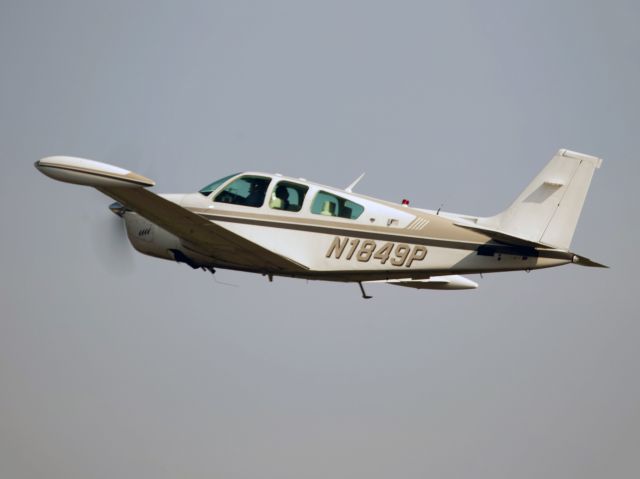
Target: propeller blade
112, 245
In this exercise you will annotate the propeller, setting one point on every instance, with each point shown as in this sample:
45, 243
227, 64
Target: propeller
111, 243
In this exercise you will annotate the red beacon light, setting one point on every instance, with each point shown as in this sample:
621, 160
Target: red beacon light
405, 202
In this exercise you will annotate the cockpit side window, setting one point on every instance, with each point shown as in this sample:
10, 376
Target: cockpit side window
245, 191
328, 204
207, 190
288, 196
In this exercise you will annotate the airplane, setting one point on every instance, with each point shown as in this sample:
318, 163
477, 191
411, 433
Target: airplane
276, 225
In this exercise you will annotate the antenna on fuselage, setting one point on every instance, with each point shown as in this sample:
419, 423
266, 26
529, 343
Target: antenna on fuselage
349, 189
364, 294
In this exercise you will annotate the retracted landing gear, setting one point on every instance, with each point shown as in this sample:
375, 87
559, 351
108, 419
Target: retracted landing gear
180, 257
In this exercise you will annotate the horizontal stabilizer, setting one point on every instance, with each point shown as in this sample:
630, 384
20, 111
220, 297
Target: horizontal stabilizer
434, 282
503, 237
90, 173
582, 261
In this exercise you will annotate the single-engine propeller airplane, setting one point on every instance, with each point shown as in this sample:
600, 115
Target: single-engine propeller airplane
280, 226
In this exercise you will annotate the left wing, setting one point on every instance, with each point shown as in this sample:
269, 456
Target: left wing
202, 235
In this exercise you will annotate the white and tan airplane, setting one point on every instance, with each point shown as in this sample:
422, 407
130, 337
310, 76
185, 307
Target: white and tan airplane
280, 226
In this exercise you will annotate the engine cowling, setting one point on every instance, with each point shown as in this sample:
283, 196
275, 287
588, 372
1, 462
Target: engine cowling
148, 238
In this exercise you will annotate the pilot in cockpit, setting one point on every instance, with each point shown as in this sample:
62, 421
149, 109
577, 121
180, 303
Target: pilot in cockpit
256, 195
282, 194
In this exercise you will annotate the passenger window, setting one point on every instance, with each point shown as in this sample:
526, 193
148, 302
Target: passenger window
245, 191
328, 204
288, 196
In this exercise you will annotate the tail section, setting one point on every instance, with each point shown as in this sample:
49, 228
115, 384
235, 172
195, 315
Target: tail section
547, 211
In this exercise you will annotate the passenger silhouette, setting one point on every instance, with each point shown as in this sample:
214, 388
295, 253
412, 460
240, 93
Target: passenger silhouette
256, 195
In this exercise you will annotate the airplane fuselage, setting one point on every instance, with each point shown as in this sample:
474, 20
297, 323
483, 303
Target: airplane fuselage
281, 226
393, 241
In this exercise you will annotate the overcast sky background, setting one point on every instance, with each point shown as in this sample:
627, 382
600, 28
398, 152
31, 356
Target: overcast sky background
148, 369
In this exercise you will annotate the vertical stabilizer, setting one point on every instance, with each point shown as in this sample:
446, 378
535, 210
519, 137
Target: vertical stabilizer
547, 211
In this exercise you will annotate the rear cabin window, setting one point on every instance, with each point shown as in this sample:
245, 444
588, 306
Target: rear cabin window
288, 196
245, 191
328, 204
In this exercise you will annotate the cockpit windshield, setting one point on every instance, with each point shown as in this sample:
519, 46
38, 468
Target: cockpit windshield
245, 191
207, 190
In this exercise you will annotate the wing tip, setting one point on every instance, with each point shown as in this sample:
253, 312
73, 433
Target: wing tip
86, 172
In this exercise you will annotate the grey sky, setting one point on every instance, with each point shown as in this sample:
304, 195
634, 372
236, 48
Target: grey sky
147, 369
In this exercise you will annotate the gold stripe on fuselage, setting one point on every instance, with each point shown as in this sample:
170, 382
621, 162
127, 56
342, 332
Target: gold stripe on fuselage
457, 239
